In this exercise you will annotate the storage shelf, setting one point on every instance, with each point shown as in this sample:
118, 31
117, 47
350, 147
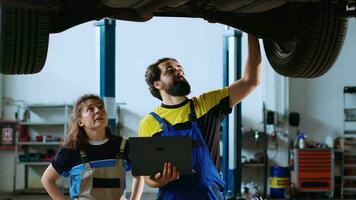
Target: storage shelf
253, 165
42, 120
347, 153
353, 190
7, 148
350, 89
350, 166
39, 143
45, 106
350, 121
40, 191
43, 123
350, 131
349, 108
34, 163
32, 191
349, 141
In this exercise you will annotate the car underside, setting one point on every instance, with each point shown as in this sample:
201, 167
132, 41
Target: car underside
289, 28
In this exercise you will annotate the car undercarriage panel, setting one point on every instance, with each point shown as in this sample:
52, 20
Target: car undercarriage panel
247, 6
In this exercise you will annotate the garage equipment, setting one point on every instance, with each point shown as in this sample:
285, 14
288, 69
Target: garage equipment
348, 171
315, 170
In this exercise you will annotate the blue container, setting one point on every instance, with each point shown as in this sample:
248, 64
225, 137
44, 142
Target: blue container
279, 181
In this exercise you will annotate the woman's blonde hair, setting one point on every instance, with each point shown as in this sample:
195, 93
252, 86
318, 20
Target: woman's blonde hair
77, 139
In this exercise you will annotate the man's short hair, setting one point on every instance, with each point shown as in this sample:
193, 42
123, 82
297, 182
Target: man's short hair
153, 73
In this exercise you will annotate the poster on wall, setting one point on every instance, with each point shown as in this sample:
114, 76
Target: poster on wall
8, 132
7, 135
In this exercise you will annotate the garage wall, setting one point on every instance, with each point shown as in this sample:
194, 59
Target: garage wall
198, 49
200, 57
320, 101
72, 70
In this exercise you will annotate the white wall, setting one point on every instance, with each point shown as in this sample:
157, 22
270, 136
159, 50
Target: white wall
71, 52
320, 101
72, 70
195, 43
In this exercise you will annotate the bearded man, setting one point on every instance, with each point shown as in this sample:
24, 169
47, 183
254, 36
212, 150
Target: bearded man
200, 118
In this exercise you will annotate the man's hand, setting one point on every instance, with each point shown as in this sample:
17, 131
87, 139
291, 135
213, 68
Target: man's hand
169, 174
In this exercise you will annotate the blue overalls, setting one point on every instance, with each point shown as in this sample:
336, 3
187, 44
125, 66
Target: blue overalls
205, 183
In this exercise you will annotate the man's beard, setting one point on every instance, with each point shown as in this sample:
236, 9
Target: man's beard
179, 88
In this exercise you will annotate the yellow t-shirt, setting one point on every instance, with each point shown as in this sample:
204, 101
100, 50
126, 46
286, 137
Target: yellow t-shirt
211, 108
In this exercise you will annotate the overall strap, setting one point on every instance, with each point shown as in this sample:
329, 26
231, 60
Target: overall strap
120, 154
162, 122
85, 159
192, 115
158, 118
193, 121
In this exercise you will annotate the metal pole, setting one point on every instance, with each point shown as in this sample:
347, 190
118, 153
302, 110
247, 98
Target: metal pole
232, 140
107, 68
225, 124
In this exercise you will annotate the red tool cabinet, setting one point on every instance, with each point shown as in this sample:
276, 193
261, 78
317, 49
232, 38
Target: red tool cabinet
315, 170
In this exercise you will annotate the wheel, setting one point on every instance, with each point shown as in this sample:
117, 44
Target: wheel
23, 40
314, 48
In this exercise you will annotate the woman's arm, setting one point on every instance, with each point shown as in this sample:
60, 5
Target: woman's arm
137, 188
48, 181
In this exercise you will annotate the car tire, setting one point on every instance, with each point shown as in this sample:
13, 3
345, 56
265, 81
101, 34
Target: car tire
23, 40
315, 47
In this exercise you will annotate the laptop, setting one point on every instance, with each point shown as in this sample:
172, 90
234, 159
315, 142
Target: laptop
148, 154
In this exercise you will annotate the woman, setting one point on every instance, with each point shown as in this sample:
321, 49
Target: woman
93, 158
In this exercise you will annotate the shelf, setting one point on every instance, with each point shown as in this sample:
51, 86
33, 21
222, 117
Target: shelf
7, 148
349, 177
35, 163
353, 190
49, 105
346, 153
40, 191
32, 191
350, 136
42, 123
350, 132
350, 89
349, 142
8, 121
350, 166
253, 165
39, 143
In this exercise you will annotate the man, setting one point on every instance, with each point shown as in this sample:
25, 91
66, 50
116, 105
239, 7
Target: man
198, 118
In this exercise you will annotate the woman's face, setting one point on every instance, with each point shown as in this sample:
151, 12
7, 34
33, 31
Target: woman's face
93, 115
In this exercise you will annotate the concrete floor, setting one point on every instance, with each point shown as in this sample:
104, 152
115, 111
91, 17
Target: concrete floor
146, 196
46, 197
10, 196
